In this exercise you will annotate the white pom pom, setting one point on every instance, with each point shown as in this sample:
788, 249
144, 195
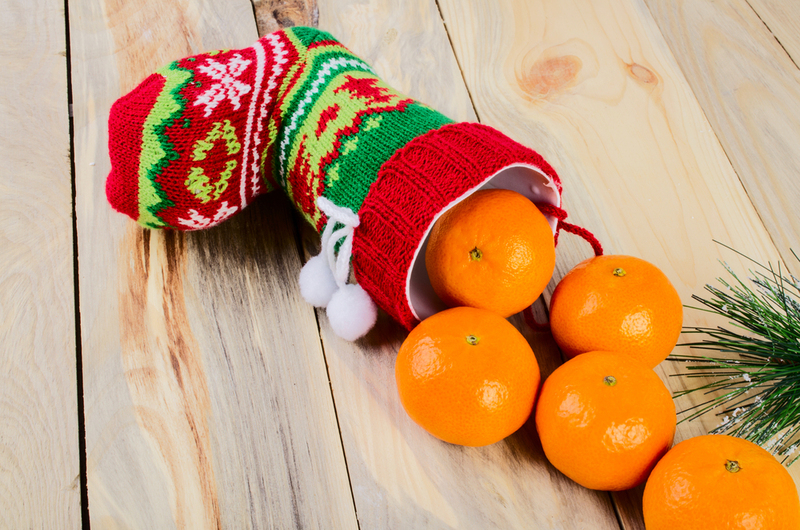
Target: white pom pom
317, 284
351, 312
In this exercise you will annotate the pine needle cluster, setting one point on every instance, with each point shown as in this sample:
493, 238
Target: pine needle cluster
752, 381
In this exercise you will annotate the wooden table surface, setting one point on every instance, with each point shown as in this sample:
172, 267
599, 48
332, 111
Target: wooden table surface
154, 380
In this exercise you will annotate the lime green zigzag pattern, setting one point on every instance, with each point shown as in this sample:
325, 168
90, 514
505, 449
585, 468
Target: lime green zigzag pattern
157, 151
362, 153
349, 177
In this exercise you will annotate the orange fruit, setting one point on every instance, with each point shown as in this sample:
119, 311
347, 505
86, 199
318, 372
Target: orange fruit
467, 376
616, 303
720, 482
493, 250
604, 420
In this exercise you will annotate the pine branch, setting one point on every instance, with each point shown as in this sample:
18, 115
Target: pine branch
753, 380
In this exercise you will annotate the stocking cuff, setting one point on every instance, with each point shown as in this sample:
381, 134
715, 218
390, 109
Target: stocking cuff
422, 180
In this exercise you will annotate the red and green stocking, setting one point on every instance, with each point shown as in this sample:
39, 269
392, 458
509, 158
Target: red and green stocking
199, 139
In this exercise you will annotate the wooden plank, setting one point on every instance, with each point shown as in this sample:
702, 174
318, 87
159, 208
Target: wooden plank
39, 451
782, 18
750, 90
601, 97
207, 398
401, 476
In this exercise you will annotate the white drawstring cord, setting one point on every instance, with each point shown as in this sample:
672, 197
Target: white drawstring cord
339, 263
323, 279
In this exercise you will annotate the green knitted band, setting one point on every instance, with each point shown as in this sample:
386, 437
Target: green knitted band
371, 148
157, 150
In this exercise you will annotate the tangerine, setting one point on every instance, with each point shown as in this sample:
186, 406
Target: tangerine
493, 250
605, 420
467, 376
720, 482
616, 303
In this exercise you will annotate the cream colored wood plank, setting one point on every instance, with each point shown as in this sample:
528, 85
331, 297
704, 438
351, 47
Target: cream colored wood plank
782, 17
207, 398
596, 89
750, 90
39, 453
401, 476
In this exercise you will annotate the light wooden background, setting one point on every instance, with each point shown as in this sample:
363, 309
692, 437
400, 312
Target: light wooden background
152, 380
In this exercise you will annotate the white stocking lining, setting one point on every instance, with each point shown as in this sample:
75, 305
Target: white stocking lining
525, 179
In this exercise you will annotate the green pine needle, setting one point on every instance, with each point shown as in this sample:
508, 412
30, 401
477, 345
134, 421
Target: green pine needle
753, 382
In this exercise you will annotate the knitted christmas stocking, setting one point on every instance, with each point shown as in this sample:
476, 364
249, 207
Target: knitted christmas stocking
369, 168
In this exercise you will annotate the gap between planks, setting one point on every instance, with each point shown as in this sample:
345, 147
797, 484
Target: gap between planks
789, 55
84, 482
458, 62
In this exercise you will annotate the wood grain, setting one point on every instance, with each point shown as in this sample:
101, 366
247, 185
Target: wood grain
602, 98
164, 373
401, 476
404, 478
783, 20
749, 89
39, 453
207, 398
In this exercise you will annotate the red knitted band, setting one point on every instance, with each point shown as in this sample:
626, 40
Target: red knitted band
126, 123
412, 187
